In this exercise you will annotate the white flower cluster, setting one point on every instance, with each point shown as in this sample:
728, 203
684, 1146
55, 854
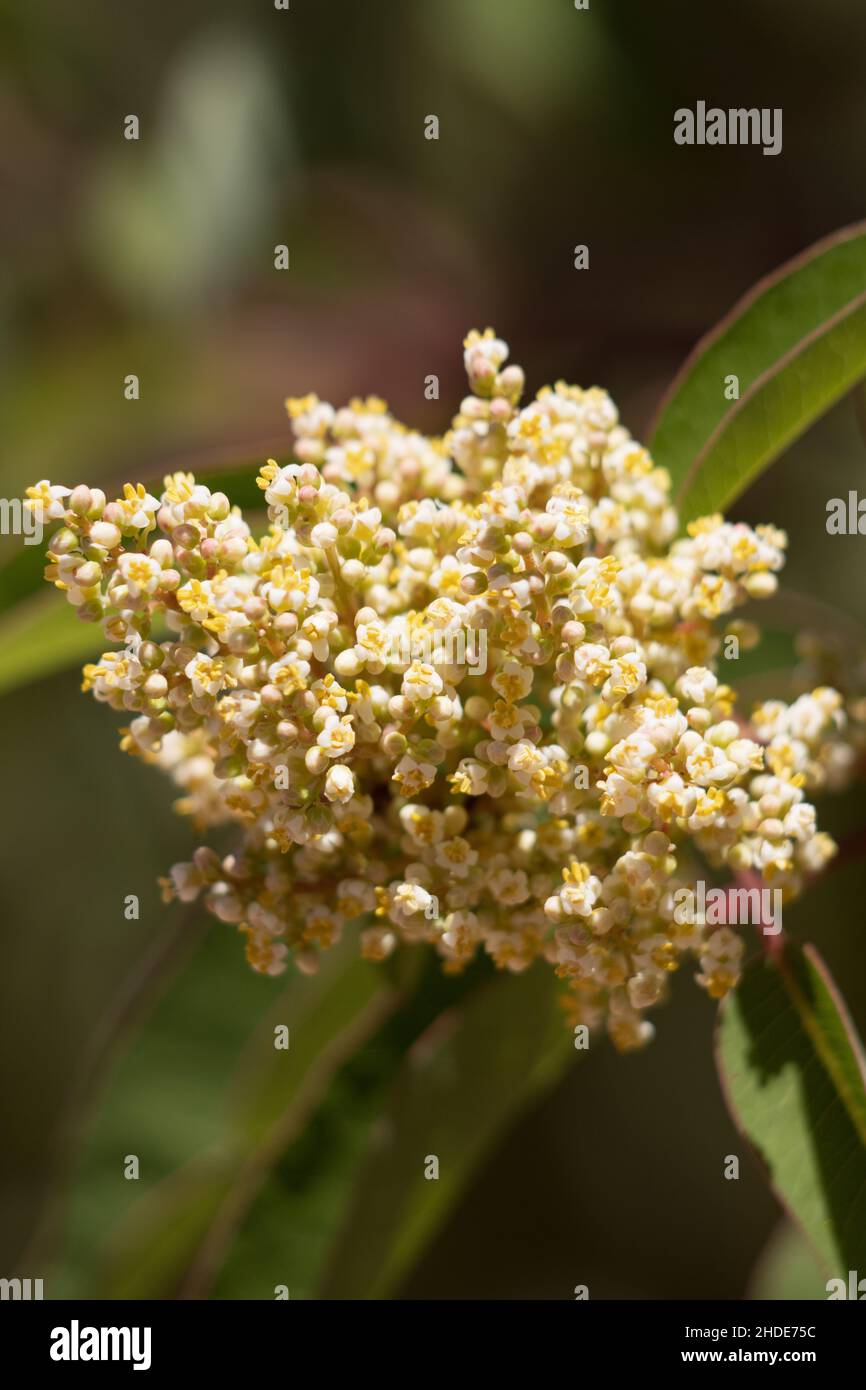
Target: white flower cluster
549, 808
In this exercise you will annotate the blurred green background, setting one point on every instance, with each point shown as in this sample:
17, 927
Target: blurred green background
155, 257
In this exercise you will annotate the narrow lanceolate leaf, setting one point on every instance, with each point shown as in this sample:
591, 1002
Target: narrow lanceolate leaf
175, 1239
464, 1082
794, 344
793, 1073
787, 1268
42, 635
21, 573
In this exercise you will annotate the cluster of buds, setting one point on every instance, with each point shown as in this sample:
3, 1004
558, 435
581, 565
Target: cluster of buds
305, 684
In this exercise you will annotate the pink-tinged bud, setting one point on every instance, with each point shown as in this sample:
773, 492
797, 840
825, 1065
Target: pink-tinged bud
573, 633
232, 550
543, 527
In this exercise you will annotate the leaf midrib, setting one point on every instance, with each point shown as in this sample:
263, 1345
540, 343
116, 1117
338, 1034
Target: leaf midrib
826, 1055
770, 373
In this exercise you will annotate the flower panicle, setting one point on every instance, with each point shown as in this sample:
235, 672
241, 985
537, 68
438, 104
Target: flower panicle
462, 691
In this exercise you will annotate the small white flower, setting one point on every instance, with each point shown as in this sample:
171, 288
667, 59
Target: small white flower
710, 766
513, 681
208, 676
421, 682
141, 574
509, 887
592, 663
45, 500
413, 776
337, 738
457, 856
697, 685
339, 784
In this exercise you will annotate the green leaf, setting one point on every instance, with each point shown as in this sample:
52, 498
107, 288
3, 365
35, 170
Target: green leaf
462, 1085
287, 1235
793, 1073
164, 1099
261, 1205
42, 635
796, 343
787, 1268
21, 572
174, 1240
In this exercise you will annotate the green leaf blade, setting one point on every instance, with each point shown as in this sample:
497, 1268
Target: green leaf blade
793, 1074
796, 343
42, 635
463, 1084
173, 1241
